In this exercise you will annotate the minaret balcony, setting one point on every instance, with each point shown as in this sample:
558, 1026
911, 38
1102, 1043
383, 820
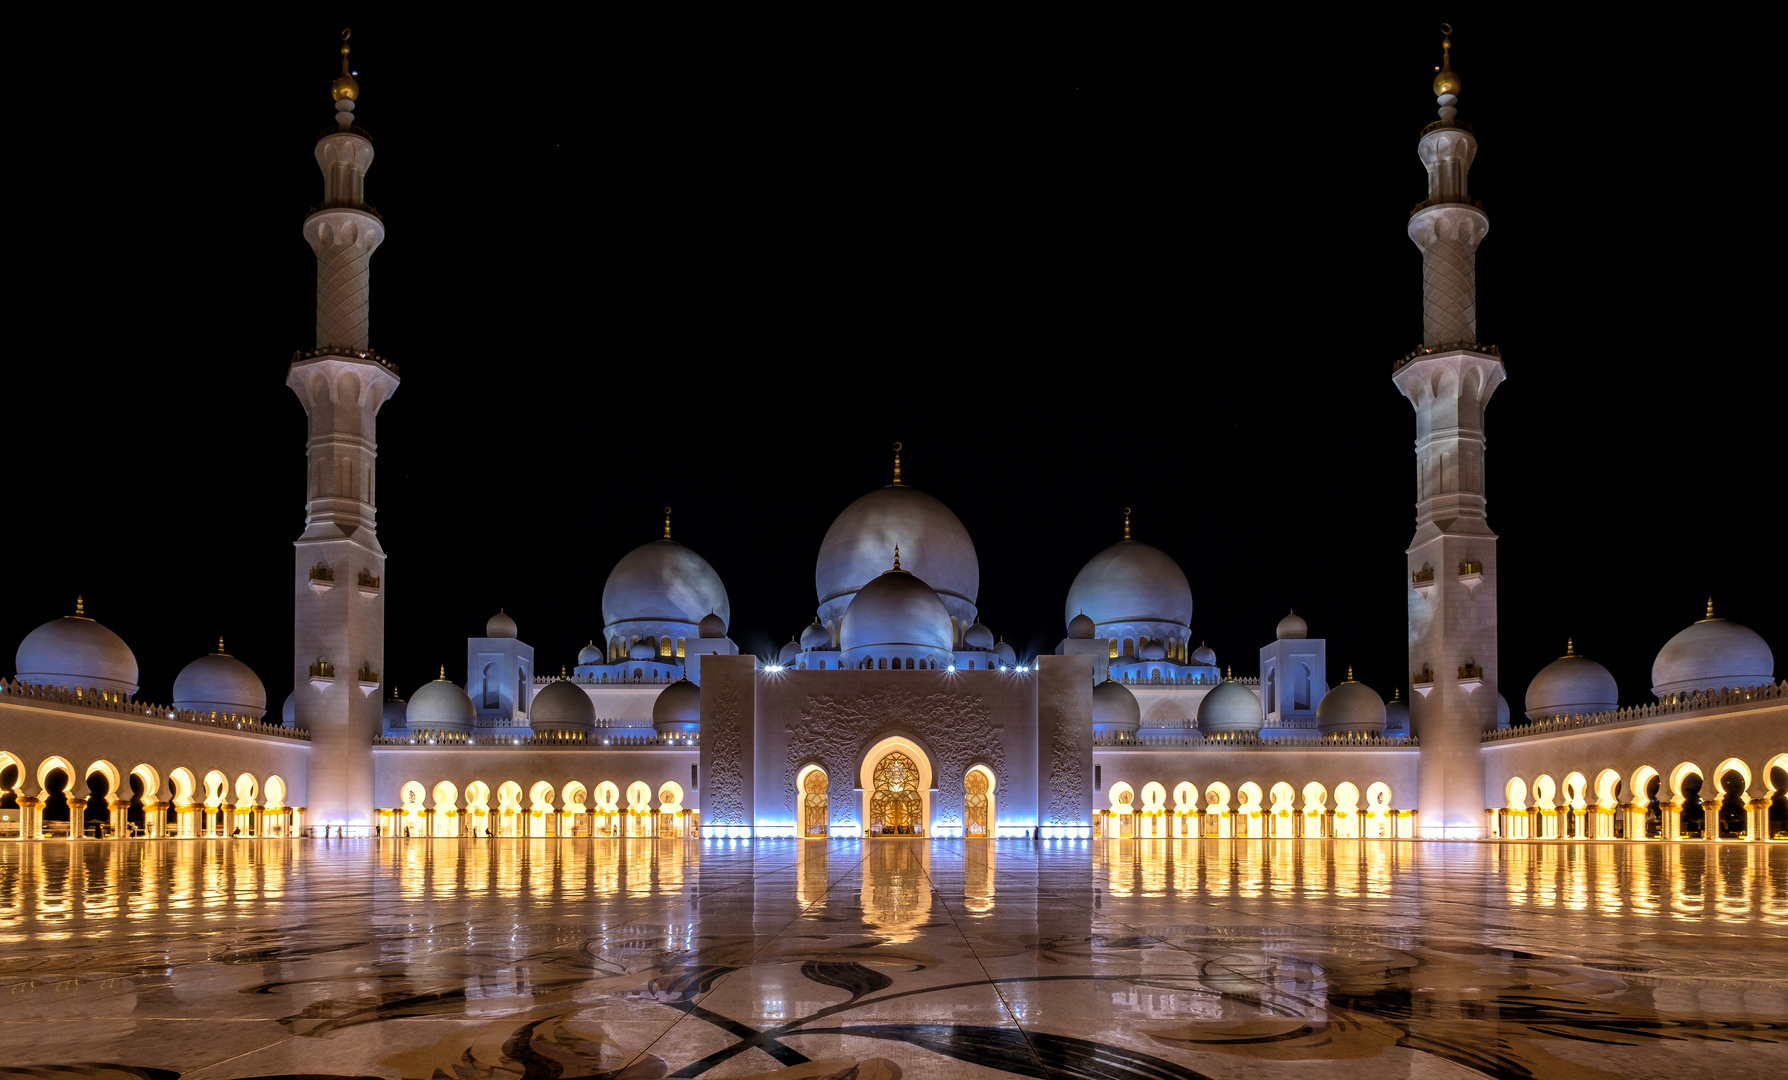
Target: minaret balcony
368, 585
1422, 682
1422, 581
1471, 572
1471, 676
322, 579
322, 674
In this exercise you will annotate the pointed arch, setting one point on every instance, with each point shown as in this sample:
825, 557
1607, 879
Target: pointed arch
51, 764
1607, 789
1515, 793
1680, 773
1733, 764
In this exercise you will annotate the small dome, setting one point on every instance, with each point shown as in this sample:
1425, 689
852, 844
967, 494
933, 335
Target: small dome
220, 683
789, 653
590, 654
1291, 628
643, 649
1230, 706
1396, 716
76, 651
898, 611
396, 713
978, 636
678, 709
562, 706
1571, 684
1351, 708
815, 637
1154, 650
1115, 710
1502, 712
288, 713
1080, 628
1005, 652
1204, 655
500, 625
441, 706
711, 626
1713, 654
1132, 582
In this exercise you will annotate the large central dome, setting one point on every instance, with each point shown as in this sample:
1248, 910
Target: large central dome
663, 582
1131, 582
933, 547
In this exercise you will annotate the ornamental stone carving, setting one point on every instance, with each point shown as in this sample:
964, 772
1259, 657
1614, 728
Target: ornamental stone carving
724, 801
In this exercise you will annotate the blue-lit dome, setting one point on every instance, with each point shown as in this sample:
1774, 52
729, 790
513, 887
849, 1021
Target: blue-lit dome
590, 654
1230, 707
220, 683
790, 653
75, 651
1131, 582
1396, 716
933, 545
897, 614
662, 582
815, 637
677, 711
1116, 712
978, 636
395, 716
1204, 655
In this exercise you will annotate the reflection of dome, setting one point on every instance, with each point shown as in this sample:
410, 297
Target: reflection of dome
1291, 628
897, 611
1571, 684
440, 706
1115, 710
1154, 650
978, 636
1080, 627
562, 706
815, 637
395, 714
789, 653
677, 710
220, 683
1713, 654
711, 626
933, 544
500, 625
1349, 708
590, 654
1229, 706
1396, 715
1204, 655
76, 651
643, 649
288, 713
663, 582
1131, 582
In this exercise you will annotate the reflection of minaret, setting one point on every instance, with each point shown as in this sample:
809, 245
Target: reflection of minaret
340, 622
1452, 559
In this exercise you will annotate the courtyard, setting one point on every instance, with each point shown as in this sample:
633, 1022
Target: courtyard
894, 957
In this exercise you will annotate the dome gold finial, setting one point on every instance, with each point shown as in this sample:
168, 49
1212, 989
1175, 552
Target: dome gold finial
1446, 81
443, 677
1570, 647
667, 523
220, 648
897, 481
344, 86
897, 559
81, 610
1126, 523
1350, 673
1709, 617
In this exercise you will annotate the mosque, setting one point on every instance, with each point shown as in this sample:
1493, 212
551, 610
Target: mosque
897, 712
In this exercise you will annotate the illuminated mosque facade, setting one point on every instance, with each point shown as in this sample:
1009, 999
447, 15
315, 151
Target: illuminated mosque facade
897, 711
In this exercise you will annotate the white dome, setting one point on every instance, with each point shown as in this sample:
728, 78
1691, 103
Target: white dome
562, 706
897, 612
1396, 716
1115, 709
1204, 655
663, 582
1292, 627
1154, 650
1004, 652
395, 715
711, 626
500, 625
1713, 654
220, 683
590, 654
1571, 684
790, 653
1081, 628
1349, 708
76, 651
1502, 712
678, 709
440, 706
1131, 582
815, 637
933, 546
1229, 706
978, 636
643, 649
288, 713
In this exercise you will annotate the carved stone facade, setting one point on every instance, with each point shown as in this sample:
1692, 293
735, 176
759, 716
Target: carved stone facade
725, 802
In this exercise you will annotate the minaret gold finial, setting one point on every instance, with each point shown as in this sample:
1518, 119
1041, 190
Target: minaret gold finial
1446, 81
897, 481
1126, 523
345, 86
667, 523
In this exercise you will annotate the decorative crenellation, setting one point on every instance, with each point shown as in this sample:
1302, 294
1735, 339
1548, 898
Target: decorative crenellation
575, 739
1761, 696
1448, 346
1231, 739
301, 355
618, 680
113, 702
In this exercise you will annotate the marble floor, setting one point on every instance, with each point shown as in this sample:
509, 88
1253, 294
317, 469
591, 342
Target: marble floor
634, 959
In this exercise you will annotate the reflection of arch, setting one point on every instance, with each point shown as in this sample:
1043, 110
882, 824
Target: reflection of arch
1515, 793
1679, 774
1607, 789
1732, 764
977, 802
815, 809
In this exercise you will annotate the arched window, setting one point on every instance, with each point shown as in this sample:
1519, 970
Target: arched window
679, 648
1301, 689
909, 663
1129, 647
1272, 691
664, 646
489, 679
882, 663
1114, 648
521, 689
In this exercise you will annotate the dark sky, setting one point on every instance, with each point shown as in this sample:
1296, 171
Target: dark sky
1074, 267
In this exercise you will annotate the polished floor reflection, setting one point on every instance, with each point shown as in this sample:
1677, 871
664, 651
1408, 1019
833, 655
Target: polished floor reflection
892, 957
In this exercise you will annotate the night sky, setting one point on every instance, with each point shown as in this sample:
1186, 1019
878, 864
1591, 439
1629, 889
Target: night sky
725, 266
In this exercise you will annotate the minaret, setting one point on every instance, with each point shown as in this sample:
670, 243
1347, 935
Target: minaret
1452, 559
339, 629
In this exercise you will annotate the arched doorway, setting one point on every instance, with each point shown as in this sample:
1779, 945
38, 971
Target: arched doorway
978, 815
895, 808
815, 806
